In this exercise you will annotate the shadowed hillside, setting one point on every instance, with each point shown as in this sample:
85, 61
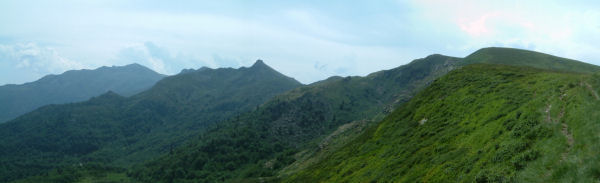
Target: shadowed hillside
112, 130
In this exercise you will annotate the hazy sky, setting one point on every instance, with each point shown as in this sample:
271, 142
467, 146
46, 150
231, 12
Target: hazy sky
307, 40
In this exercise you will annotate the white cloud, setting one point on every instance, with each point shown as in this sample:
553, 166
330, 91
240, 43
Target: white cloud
42, 60
290, 39
157, 58
477, 27
555, 27
307, 41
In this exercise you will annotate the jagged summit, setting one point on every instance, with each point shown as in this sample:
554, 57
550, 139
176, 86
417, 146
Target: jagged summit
259, 64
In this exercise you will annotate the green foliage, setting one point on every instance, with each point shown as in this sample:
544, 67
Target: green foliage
481, 123
89, 173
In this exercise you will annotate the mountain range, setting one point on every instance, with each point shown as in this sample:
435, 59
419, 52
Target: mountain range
119, 131
74, 86
497, 115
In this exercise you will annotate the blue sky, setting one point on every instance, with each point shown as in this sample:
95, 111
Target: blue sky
307, 40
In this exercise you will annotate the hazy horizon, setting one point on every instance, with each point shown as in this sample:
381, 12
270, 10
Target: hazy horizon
306, 40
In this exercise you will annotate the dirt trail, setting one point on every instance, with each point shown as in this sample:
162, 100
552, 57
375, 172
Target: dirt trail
589, 87
548, 117
565, 128
570, 140
565, 131
561, 114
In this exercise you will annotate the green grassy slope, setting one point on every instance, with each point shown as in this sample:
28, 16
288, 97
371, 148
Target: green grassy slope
504, 56
117, 131
518, 57
480, 123
254, 146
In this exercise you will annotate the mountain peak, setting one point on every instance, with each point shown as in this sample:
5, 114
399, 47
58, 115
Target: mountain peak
109, 93
259, 63
134, 65
128, 67
183, 71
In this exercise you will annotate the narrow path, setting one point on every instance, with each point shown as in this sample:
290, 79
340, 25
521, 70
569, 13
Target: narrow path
570, 140
561, 114
548, 117
589, 87
562, 109
565, 131
565, 128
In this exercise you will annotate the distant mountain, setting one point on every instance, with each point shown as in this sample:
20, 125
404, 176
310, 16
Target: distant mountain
74, 86
120, 131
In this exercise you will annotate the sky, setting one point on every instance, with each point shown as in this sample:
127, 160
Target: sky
308, 40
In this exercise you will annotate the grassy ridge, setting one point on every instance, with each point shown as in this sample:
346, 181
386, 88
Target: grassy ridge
480, 123
519, 57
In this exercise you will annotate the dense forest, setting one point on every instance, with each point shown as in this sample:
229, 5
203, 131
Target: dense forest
118, 131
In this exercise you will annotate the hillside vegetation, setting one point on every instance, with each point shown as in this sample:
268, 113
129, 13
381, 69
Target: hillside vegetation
498, 115
480, 123
255, 145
